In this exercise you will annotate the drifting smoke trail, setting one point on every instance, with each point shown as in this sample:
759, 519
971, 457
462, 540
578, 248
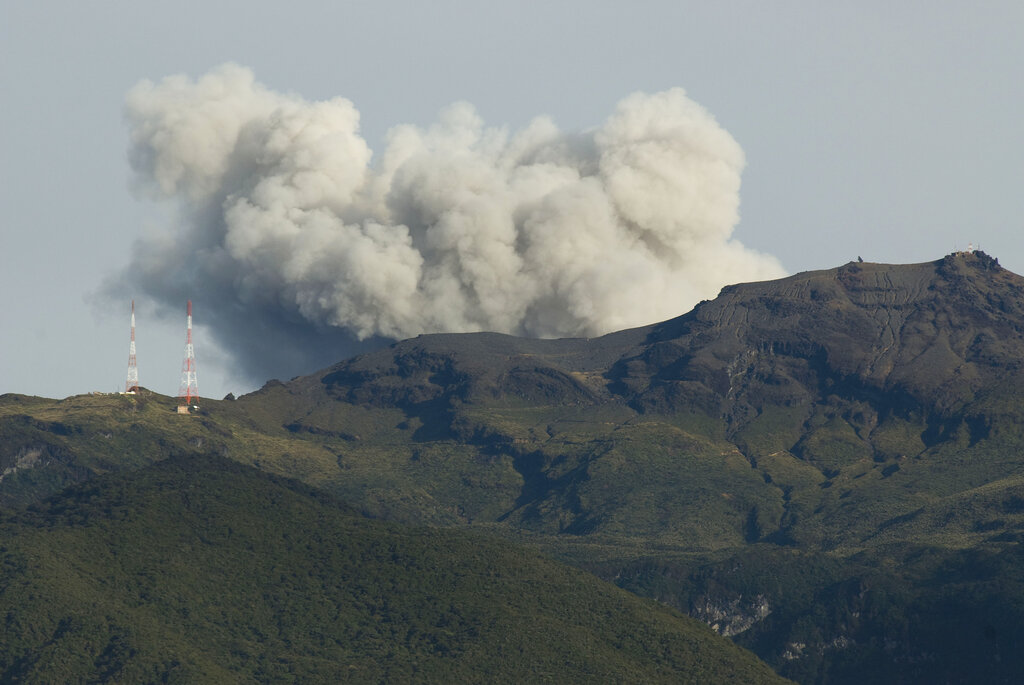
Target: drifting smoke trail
292, 232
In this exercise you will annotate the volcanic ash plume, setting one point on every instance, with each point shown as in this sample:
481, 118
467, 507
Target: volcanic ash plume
454, 227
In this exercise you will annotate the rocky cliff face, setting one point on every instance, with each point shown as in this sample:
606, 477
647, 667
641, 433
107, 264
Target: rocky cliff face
733, 616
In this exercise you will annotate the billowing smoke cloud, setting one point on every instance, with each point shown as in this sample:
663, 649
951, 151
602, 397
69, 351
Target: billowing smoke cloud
302, 243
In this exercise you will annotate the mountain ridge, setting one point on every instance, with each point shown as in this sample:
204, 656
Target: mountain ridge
764, 317
859, 426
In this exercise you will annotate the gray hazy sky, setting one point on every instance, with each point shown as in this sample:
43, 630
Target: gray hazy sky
887, 130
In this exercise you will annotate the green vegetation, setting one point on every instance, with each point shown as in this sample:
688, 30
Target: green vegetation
198, 569
818, 466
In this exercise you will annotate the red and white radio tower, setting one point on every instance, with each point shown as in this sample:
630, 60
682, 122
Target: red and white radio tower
189, 390
132, 384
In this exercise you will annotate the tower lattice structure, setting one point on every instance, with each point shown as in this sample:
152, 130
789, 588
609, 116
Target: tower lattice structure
188, 392
132, 383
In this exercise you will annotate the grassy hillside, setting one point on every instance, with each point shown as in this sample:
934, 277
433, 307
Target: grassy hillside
197, 569
859, 427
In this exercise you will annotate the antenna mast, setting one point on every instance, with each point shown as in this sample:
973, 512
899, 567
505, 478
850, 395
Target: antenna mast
188, 392
131, 385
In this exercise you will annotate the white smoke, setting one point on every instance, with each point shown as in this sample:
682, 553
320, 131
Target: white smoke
456, 227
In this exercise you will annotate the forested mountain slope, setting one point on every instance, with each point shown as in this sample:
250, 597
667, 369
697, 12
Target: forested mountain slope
198, 569
827, 467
